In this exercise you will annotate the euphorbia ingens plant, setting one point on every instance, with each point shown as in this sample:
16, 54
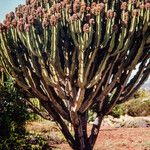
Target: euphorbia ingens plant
78, 55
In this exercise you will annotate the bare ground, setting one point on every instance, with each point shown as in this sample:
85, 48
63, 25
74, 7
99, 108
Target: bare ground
108, 139
120, 139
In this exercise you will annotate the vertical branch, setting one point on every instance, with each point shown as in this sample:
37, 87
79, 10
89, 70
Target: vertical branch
95, 130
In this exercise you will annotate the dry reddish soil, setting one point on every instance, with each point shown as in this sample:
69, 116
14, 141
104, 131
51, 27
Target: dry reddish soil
119, 139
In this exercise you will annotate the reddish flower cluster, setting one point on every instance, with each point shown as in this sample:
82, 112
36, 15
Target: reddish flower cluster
76, 6
132, 1
10, 16
97, 8
56, 8
142, 6
83, 7
124, 6
86, 28
91, 21
126, 18
135, 12
74, 17
147, 5
27, 27
20, 24
28, 2
53, 20
14, 23
27, 15
110, 14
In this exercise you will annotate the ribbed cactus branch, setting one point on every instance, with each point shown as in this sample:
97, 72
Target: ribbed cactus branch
78, 55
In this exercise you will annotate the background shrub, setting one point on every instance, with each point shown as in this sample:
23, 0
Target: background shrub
13, 111
22, 142
139, 105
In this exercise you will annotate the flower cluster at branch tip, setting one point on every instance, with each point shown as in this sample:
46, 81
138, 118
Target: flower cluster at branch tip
124, 6
50, 13
91, 21
86, 28
135, 12
126, 18
97, 8
110, 14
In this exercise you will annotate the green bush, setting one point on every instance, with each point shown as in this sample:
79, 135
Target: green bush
22, 142
137, 106
91, 115
13, 111
118, 111
13, 115
32, 115
142, 94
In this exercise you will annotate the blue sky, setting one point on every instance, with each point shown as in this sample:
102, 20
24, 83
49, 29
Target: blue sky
9, 5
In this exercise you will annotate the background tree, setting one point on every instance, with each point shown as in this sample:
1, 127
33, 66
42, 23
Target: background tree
76, 55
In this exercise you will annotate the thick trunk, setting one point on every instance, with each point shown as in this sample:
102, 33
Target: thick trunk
82, 141
80, 131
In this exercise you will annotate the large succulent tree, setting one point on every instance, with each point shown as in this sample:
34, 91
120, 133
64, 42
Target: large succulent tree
78, 55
